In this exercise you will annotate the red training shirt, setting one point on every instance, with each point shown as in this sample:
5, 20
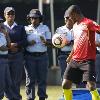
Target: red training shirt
84, 39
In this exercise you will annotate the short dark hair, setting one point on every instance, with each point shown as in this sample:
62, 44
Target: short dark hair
71, 9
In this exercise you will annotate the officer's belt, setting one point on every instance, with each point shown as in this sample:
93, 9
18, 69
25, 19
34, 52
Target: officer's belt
3, 56
64, 52
36, 53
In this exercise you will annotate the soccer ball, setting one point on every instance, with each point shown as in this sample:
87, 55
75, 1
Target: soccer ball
59, 40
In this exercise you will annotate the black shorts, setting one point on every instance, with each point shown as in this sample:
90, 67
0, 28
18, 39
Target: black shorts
80, 71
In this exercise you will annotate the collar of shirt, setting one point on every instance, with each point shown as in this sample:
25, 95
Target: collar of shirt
14, 24
2, 34
37, 26
62, 30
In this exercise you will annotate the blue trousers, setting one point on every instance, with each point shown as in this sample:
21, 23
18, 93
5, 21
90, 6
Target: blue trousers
62, 63
4, 71
36, 70
16, 65
97, 68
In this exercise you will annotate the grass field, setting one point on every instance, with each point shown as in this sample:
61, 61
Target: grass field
54, 92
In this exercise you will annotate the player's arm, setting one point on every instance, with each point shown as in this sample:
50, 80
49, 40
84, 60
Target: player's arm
70, 56
94, 26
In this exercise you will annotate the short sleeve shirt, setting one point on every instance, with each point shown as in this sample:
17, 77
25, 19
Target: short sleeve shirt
34, 34
68, 34
3, 42
84, 39
98, 40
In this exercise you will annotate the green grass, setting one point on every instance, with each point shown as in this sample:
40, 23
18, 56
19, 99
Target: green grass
54, 92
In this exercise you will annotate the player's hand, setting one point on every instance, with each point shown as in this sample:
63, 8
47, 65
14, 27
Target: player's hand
43, 40
70, 56
68, 59
32, 42
67, 43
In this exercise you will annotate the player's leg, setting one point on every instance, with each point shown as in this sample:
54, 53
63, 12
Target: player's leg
62, 56
66, 84
89, 76
71, 74
94, 92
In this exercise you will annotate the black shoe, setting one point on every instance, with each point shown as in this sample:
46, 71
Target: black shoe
41, 98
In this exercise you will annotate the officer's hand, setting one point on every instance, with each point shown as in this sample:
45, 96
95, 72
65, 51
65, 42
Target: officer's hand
32, 42
43, 40
13, 47
13, 44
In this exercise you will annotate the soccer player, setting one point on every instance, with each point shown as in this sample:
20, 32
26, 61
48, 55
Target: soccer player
82, 57
4, 68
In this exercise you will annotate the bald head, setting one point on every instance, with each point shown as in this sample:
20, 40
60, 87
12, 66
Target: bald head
74, 13
72, 9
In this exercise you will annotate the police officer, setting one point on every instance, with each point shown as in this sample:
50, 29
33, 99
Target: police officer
4, 70
98, 59
16, 63
64, 52
39, 37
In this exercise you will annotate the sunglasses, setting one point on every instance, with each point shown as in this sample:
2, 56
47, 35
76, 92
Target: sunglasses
11, 13
34, 17
67, 18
